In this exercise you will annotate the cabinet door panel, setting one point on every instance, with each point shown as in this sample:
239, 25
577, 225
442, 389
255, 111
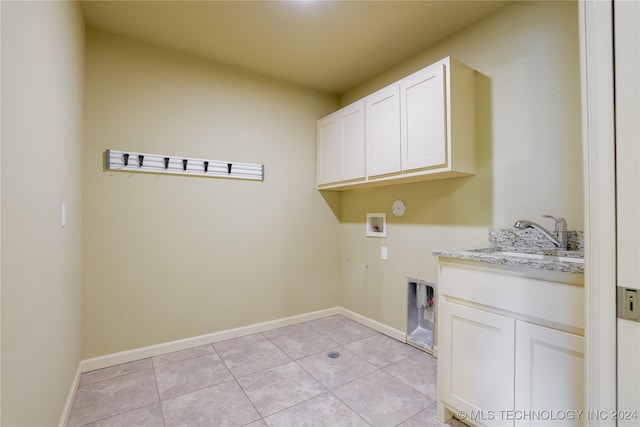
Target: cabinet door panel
383, 131
340, 147
424, 143
549, 376
329, 146
353, 144
476, 361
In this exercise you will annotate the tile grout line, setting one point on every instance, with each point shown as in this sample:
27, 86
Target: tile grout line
377, 370
349, 406
331, 391
326, 389
403, 381
155, 379
196, 389
80, 386
153, 362
110, 379
240, 385
233, 376
116, 415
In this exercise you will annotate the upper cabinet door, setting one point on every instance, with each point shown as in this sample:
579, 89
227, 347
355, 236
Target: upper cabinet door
353, 132
424, 126
328, 149
340, 145
383, 131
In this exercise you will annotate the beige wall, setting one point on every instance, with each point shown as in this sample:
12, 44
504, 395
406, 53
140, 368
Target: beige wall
42, 84
169, 257
529, 160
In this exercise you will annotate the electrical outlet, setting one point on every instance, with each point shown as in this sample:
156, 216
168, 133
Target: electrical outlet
64, 215
383, 252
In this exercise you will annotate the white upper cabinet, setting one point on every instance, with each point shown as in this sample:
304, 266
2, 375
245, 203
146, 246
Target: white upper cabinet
383, 131
340, 146
419, 128
328, 147
424, 133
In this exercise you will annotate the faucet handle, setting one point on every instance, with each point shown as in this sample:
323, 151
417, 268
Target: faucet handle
561, 223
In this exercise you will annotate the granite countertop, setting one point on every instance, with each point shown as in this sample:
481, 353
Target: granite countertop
517, 257
524, 249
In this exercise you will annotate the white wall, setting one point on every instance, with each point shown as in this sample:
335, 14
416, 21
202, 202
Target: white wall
529, 156
42, 120
169, 257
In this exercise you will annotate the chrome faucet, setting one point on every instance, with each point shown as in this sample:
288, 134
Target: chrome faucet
558, 237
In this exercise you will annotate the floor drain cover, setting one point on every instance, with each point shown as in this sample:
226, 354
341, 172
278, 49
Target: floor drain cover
333, 355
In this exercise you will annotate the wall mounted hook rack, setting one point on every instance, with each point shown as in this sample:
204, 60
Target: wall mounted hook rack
117, 160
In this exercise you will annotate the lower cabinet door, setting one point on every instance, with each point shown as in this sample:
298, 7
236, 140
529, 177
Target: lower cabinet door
549, 373
476, 363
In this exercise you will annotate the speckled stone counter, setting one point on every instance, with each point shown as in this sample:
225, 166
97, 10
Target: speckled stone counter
509, 247
531, 239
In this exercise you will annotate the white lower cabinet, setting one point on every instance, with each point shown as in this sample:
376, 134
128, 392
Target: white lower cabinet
476, 359
499, 362
549, 374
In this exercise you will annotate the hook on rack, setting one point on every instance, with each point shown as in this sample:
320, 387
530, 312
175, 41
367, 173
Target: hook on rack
229, 165
140, 159
206, 166
126, 159
184, 164
166, 162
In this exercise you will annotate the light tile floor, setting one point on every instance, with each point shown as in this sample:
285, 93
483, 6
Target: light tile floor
281, 377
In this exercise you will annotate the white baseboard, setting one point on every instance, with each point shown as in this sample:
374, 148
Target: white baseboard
374, 324
168, 347
66, 411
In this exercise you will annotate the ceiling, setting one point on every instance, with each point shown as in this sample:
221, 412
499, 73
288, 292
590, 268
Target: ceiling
332, 46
